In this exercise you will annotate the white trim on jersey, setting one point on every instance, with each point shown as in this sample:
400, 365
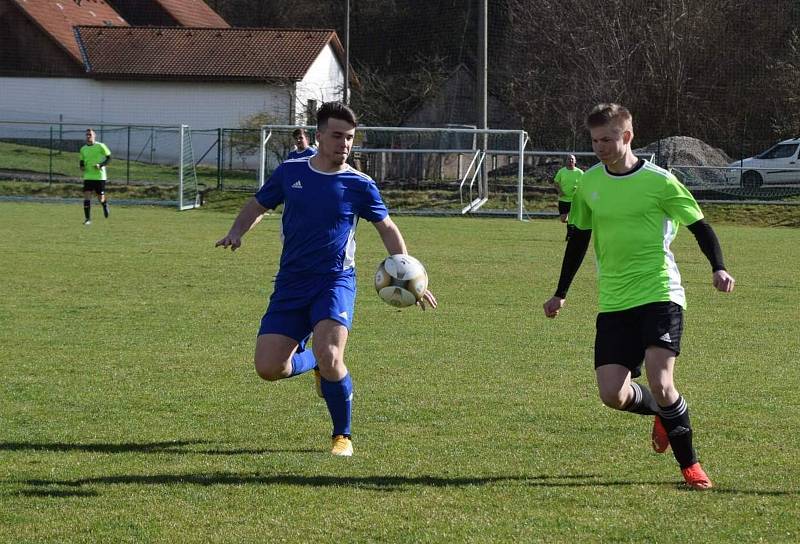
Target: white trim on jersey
676, 291
350, 249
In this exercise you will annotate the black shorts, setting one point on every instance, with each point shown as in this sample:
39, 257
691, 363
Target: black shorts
622, 337
96, 185
564, 207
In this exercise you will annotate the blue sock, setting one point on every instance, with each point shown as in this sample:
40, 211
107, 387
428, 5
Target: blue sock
302, 362
339, 398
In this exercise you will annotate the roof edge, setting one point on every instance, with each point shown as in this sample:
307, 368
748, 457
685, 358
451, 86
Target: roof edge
46, 32
87, 65
210, 28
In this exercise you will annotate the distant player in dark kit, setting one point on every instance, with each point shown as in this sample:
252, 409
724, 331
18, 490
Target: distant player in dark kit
94, 158
632, 209
315, 287
566, 181
301, 145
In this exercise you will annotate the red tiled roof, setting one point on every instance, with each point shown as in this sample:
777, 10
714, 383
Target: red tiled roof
57, 18
203, 53
194, 13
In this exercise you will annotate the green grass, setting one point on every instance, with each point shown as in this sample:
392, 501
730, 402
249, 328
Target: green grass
405, 200
130, 412
27, 160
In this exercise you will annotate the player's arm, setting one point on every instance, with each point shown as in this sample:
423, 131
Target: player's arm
558, 186
248, 217
107, 159
709, 245
391, 236
574, 253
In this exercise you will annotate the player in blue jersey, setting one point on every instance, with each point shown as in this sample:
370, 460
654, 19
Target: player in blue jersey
315, 287
301, 145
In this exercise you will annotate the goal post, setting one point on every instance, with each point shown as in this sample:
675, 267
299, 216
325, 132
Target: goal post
447, 164
188, 194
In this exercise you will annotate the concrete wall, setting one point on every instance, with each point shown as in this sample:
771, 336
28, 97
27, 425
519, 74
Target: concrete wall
201, 105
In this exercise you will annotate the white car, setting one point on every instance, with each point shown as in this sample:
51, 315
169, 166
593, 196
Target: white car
777, 165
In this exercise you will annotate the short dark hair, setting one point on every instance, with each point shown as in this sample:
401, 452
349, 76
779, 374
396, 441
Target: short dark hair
335, 110
298, 132
605, 114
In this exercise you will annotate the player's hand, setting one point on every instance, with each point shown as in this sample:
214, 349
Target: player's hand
723, 281
229, 241
553, 306
427, 298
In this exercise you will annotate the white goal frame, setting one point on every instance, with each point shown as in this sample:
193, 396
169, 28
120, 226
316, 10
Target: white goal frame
188, 194
473, 183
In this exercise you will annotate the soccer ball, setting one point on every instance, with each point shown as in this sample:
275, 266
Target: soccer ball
401, 280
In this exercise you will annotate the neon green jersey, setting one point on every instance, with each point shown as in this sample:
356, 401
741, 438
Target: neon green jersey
91, 155
634, 217
568, 180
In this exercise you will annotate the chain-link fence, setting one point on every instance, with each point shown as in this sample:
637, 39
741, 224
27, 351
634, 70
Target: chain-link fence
225, 158
416, 168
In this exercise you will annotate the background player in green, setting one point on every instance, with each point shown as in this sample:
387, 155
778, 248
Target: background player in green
633, 208
566, 181
94, 158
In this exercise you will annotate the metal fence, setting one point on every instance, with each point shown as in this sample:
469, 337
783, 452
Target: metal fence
225, 158
418, 168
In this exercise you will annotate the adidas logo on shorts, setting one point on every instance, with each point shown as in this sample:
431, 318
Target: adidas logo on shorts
665, 337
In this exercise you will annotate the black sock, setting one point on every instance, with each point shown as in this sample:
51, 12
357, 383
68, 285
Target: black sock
105, 208
642, 401
87, 206
675, 418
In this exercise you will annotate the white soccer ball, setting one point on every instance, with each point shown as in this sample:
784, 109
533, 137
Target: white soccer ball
401, 280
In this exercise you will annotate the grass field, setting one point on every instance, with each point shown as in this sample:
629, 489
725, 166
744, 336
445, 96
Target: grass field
31, 160
130, 412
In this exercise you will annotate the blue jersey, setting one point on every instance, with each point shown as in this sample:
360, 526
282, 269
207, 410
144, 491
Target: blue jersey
320, 214
307, 152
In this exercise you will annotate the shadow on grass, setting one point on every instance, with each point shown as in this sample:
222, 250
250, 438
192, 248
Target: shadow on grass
59, 493
183, 447
39, 487
381, 483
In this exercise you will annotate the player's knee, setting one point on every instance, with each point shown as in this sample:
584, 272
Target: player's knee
328, 358
613, 399
272, 370
663, 393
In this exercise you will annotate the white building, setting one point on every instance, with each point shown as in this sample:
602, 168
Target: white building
202, 77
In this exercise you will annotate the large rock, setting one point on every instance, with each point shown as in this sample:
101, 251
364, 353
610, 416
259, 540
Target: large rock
685, 150
681, 153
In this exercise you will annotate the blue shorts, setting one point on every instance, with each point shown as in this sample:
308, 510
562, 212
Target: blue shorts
298, 303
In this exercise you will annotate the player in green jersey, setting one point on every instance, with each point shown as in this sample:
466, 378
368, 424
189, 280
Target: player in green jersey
94, 158
632, 209
566, 181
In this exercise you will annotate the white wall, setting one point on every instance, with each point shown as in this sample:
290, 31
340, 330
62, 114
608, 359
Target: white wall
198, 104
322, 83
